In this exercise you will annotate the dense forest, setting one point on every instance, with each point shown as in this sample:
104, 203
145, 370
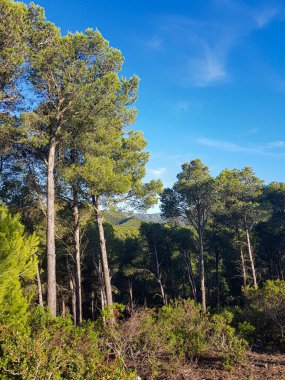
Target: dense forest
92, 287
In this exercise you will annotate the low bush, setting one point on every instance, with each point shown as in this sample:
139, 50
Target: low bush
152, 343
156, 343
55, 349
265, 310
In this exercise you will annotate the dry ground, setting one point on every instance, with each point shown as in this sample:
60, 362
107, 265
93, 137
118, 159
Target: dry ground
258, 366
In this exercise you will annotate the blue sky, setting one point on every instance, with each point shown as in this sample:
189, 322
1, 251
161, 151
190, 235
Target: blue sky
212, 77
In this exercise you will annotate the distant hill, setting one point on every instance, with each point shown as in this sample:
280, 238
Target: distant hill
117, 218
155, 218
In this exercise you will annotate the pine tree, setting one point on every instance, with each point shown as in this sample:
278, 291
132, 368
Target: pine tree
18, 264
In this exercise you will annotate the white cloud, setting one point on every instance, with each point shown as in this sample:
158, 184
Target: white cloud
251, 131
181, 106
223, 145
273, 145
157, 172
265, 16
266, 149
155, 42
201, 49
206, 70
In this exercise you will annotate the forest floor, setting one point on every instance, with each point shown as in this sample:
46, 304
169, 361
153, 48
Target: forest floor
257, 366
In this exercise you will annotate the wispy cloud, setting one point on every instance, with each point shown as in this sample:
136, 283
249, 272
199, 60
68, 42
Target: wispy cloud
265, 16
158, 172
251, 131
266, 148
222, 145
199, 49
205, 70
176, 158
274, 145
155, 42
181, 106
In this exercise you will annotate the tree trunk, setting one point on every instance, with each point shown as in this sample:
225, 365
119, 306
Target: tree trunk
73, 297
104, 257
243, 267
77, 258
92, 304
251, 259
218, 281
191, 275
63, 308
102, 285
130, 285
202, 271
51, 255
159, 279
40, 291
72, 289
99, 271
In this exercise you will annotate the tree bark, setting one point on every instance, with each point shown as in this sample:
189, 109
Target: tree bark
51, 254
63, 308
218, 281
104, 256
72, 289
202, 271
243, 267
102, 285
251, 259
73, 297
191, 275
159, 279
130, 286
78, 290
40, 291
92, 304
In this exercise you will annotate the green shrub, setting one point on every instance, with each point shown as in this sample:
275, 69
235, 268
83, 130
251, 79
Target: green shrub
55, 350
156, 343
265, 310
224, 340
246, 331
153, 343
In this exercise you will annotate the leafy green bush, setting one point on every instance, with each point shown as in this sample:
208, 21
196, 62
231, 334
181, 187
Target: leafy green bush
56, 349
224, 340
156, 343
246, 331
265, 310
153, 343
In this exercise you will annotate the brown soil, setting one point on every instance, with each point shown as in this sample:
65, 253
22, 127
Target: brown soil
258, 366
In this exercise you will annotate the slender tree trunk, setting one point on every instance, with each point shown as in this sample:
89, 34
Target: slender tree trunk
243, 267
40, 291
104, 257
191, 275
51, 255
73, 297
159, 279
92, 304
218, 281
77, 258
251, 259
102, 285
202, 271
130, 285
63, 308
72, 290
